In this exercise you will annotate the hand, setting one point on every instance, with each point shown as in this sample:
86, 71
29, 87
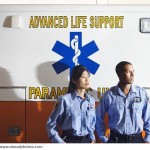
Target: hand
93, 141
147, 142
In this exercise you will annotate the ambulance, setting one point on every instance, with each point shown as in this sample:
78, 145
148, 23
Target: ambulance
38, 52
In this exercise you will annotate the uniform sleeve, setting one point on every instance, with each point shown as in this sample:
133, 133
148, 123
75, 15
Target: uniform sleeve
146, 118
92, 135
100, 125
54, 120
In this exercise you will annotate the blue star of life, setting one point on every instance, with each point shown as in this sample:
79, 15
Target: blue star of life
75, 54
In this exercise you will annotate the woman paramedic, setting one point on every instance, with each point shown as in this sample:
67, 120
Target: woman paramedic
74, 112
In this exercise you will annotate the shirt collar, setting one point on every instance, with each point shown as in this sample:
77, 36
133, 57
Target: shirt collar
133, 89
118, 90
75, 94
87, 97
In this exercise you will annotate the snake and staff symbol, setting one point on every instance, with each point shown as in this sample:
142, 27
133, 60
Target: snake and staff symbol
75, 46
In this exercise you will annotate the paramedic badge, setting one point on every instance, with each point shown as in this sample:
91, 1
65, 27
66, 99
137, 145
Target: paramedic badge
90, 106
137, 99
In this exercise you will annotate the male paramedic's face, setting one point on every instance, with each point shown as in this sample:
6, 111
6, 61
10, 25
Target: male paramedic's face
83, 81
127, 76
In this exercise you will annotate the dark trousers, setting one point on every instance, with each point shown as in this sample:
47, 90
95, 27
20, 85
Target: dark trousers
119, 138
69, 140
76, 139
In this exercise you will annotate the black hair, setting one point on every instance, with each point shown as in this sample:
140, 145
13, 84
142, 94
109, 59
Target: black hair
75, 75
120, 67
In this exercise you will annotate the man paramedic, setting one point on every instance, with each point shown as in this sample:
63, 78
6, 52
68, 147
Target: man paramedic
128, 108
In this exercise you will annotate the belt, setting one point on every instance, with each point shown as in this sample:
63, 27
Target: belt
68, 134
127, 137
77, 137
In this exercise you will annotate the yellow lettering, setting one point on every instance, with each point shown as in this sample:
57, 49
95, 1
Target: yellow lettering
101, 91
78, 21
37, 93
102, 21
31, 25
84, 22
121, 21
53, 93
61, 92
45, 91
91, 22
31, 92
48, 22
106, 21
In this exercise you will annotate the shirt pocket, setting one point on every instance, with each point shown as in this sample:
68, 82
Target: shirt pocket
116, 111
137, 110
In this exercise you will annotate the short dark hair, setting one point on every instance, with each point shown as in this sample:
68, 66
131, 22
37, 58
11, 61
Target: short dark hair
120, 67
75, 75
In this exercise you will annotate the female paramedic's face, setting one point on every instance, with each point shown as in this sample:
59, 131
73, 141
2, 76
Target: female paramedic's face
127, 76
83, 81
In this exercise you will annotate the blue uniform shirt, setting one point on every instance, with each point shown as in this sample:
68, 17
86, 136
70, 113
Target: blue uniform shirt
74, 113
126, 114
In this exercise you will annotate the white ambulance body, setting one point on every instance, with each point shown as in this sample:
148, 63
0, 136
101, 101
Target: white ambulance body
37, 53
